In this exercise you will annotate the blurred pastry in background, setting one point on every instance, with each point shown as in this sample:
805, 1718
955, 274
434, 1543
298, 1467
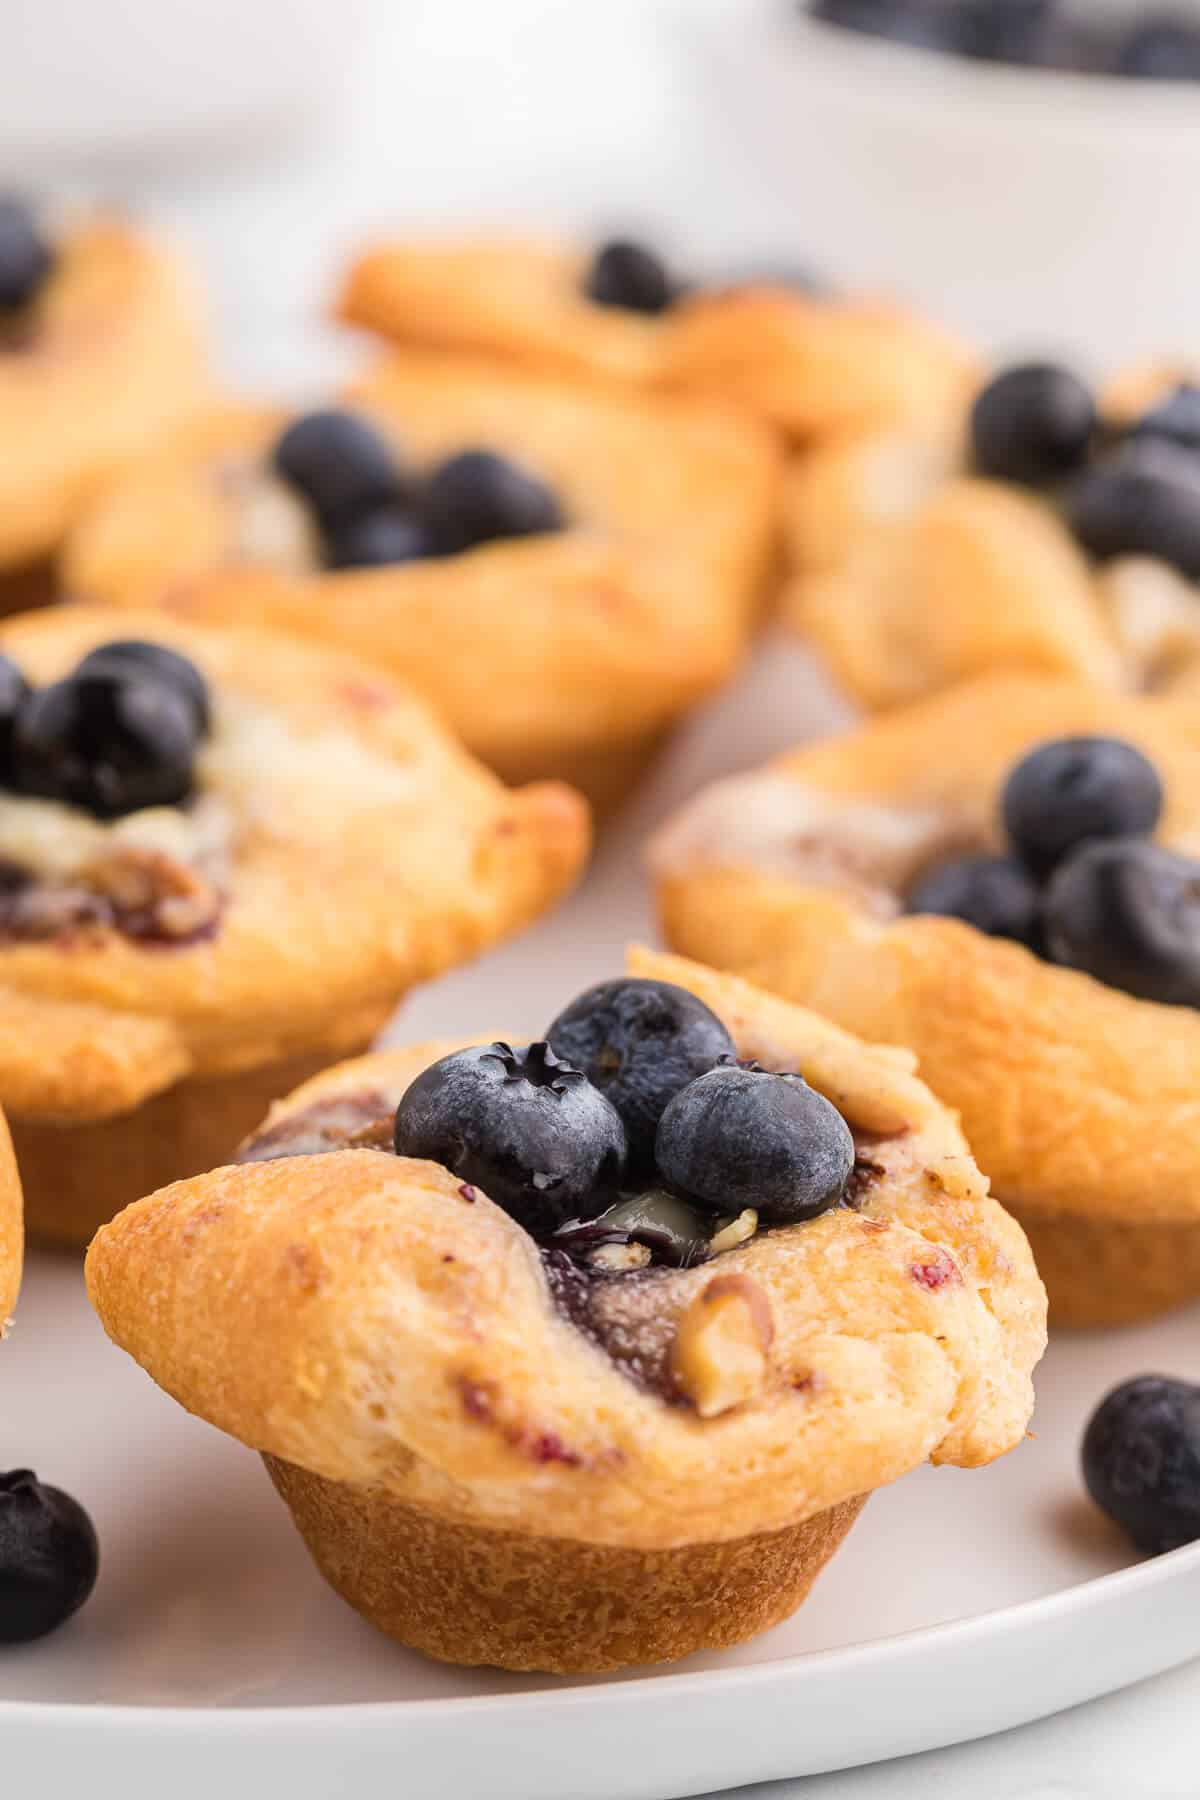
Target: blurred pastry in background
562, 571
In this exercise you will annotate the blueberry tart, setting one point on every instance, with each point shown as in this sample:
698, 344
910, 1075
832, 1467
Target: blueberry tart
768, 340
101, 358
1057, 530
562, 573
539, 1400
224, 858
1004, 879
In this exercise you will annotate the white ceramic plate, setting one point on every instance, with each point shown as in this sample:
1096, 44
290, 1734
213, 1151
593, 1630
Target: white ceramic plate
212, 1654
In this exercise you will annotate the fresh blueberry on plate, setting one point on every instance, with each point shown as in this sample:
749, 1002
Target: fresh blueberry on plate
340, 465
993, 893
1128, 912
1074, 789
1177, 418
49, 1557
1145, 501
376, 539
134, 658
478, 496
521, 1124
739, 1137
630, 276
1141, 1461
106, 742
640, 1042
1032, 424
26, 259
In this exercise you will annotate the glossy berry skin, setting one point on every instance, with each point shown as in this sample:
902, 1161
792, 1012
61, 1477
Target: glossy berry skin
1141, 1461
640, 1042
1078, 788
1177, 419
48, 1557
478, 496
1032, 424
1143, 502
137, 659
26, 259
340, 465
527, 1129
1128, 913
376, 540
107, 744
1006, 31
629, 276
14, 693
739, 1137
993, 893
1163, 47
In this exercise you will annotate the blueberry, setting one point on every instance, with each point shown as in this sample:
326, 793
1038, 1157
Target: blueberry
1006, 31
478, 496
528, 1129
1128, 913
993, 893
738, 1137
1177, 418
48, 1557
106, 743
1077, 788
1141, 1461
14, 693
389, 535
26, 259
1161, 48
913, 22
134, 658
640, 1042
629, 276
1032, 424
1143, 502
340, 465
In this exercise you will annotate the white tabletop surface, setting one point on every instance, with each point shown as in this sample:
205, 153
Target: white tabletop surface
593, 113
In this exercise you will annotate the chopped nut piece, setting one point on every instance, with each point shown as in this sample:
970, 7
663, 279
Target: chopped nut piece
616, 1258
172, 898
719, 1357
738, 1231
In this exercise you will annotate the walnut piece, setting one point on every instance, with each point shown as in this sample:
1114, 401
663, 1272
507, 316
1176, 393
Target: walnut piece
738, 1231
618, 1258
719, 1357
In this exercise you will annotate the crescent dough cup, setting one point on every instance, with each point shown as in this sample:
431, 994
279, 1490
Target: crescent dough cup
569, 654
1079, 1101
11, 1235
112, 361
814, 367
912, 575
361, 850
478, 1477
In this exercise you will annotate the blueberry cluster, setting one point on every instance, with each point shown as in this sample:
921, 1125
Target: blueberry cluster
1084, 886
26, 257
48, 1557
1161, 45
1141, 1461
632, 1122
1127, 491
119, 734
371, 511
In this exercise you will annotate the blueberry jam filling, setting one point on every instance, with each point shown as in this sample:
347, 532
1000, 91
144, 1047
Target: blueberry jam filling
49, 1557
26, 263
734, 1151
1141, 1461
1128, 488
119, 735
1084, 885
370, 512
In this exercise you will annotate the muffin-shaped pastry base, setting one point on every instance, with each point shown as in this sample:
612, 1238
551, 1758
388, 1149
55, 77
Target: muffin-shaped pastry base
110, 362
501, 1451
11, 1245
567, 653
166, 973
1076, 1097
446, 1588
815, 366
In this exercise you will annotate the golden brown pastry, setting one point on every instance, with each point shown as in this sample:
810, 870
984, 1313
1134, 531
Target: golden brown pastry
569, 651
11, 1231
196, 913
815, 366
505, 1451
1076, 1097
101, 359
